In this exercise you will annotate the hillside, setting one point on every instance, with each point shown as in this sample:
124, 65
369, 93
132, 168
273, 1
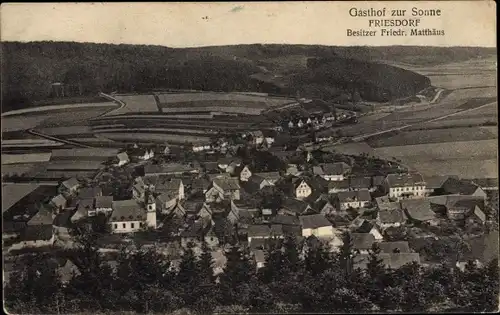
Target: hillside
30, 69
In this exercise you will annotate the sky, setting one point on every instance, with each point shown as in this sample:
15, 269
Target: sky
465, 23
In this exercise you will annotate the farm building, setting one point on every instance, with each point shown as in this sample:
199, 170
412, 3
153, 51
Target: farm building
402, 186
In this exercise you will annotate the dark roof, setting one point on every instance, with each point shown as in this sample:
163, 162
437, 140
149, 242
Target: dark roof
461, 187
338, 168
435, 182
418, 209
274, 176
259, 230
314, 221
338, 184
378, 180
295, 205
292, 230
360, 182
362, 240
104, 202
37, 232
127, 210
200, 183
389, 247
42, 217
404, 180
392, 260
360, 195
486, 182
227, 183
391, 216
168, 168
89, 192
13, 193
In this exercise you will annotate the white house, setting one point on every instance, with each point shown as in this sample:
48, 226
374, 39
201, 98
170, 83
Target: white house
122, 158
332, 171
130, 215
201, 147
404, 186
353, 199
71, 185
260, 258
317, 225
245, 173
264, 231
302, 189
103, 204
300, 124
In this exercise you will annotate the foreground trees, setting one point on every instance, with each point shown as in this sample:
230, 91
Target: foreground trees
144, 281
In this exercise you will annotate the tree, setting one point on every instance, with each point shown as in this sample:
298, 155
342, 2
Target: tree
317, 259
205, 266
347, 254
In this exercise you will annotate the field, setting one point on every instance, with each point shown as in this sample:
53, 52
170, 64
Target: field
155, 137
74, 165
25, 158
136, 103
58, 108
465, 159
435, 136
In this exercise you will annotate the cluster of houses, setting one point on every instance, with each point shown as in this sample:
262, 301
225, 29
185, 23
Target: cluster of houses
215, 202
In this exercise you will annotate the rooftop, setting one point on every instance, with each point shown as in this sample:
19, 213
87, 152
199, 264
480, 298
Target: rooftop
405, 180
362, 241
392, 260
227, 183
390, 247
360, 195
13, 193
89, 192
169, 168
37, 232
391, 216
314, 221
127, 210
418, 209
70, 183
104, 202
461, 187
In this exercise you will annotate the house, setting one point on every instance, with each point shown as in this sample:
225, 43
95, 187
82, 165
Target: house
245, 173
454, 186
292, 170
301, 188
459, 207
103, 204
294, 207
300, 123
70, 186
201, 147
285, 220
317, 225
361, 183
353, 199
166, 201
130, 215
264, 232
257, 137
362, 242
434, 184
418, 209
58, 202
35, 236
194, 234
90, 192
86, 206
338, 186
142, 154
325, 135
257, 183
67, 271
122, 159
223, 188
228, 164
394, 247
175, 187
200, 185
332, 171
390, 218
486, 183
325, 207
260, 258
403, 186
270, 177
390, 260
384, 203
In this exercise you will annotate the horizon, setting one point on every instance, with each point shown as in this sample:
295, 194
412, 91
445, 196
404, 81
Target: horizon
246, 44
194, 24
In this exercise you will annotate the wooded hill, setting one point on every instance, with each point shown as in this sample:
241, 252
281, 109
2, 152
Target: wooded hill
30, 69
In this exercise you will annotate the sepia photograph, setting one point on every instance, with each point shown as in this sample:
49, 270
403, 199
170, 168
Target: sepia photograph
278, 157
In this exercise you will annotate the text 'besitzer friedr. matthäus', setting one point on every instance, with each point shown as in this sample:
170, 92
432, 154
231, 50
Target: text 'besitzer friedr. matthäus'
387, 22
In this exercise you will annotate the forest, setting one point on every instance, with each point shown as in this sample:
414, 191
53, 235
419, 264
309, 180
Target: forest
30, 69
143, 282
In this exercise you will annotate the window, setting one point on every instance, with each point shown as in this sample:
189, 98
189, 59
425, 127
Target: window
115, 226
124, 225
132, 225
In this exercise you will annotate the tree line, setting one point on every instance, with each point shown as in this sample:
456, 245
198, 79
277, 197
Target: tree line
319, 281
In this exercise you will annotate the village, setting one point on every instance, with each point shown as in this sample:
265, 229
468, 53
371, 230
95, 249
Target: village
252, 194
